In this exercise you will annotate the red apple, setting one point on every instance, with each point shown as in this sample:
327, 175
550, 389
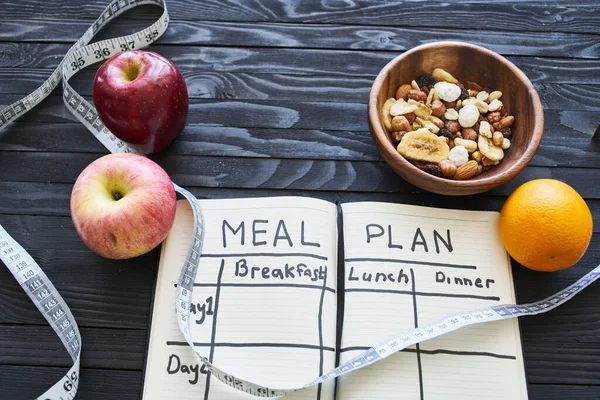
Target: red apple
123, 205
142, 98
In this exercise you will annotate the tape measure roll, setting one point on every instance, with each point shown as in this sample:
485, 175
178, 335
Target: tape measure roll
26, 271
44, 295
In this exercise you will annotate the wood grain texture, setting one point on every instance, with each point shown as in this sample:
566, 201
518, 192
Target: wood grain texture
111, 295
289, 129
316, 36
26, 382
268, 173
96, 384
295, 61
279, 91
274, 87
258, 86
30, 198
120, 349
559, 392
554, 16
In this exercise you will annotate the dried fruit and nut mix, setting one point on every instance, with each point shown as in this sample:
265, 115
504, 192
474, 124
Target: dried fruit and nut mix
447, 128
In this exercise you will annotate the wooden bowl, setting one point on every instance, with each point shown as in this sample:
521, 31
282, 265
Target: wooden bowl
465, 62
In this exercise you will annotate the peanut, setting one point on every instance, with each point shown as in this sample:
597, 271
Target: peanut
497, 138
495, 105
482, 106
451, 114
495, 95
470, 145
483, 96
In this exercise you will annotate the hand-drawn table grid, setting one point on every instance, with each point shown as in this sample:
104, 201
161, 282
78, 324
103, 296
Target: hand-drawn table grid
415, 294
218, 294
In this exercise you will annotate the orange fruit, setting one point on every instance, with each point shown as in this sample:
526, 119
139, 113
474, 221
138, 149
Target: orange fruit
545, 225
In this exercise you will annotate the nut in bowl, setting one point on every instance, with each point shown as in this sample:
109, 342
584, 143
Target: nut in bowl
453, 146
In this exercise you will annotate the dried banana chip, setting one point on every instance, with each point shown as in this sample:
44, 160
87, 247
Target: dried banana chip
489, 149
401, 107
421, 109
422, 145
386, 117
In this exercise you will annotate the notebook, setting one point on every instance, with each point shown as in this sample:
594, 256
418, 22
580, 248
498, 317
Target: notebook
282, 297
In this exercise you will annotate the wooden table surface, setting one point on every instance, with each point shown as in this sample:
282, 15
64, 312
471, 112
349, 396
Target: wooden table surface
278, 92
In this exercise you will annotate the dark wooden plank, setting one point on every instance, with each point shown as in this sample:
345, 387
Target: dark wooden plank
113, 293
555, 16
323, 88
24, 383
566, 142
283, 114
323, 36
28, 198
265, 173
569, 97
96, 384
295, 61
562, 392
290, 129
578, 365
120, 349
549, 362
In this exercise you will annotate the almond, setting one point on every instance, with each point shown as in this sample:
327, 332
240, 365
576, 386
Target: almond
467, 170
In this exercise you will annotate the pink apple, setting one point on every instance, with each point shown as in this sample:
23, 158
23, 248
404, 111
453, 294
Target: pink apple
123, 205
142, 98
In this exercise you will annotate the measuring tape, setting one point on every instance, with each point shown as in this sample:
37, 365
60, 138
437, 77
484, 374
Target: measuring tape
45, 296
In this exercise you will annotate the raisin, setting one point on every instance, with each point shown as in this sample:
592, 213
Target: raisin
433, 170
426, 80
506, 132
445, 132
464, 94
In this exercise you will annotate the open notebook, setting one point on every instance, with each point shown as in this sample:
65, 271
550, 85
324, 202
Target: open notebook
267, 306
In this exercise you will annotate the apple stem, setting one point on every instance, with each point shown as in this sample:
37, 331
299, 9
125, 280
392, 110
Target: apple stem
116, 195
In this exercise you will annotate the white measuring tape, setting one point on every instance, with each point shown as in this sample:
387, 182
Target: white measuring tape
45, 296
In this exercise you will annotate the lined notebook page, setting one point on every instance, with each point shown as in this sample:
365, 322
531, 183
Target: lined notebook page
407, 266
264, 300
